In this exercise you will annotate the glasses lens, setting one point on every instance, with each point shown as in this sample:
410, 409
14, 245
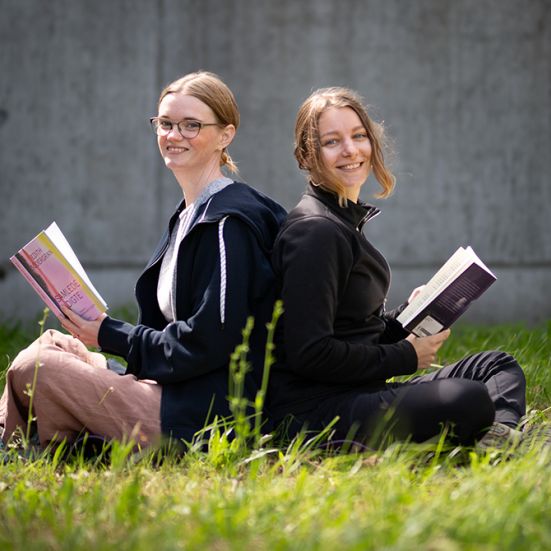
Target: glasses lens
189, 129
165, 127
160, 127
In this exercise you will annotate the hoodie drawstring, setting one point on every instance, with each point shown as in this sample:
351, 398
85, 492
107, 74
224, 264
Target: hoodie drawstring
222, 250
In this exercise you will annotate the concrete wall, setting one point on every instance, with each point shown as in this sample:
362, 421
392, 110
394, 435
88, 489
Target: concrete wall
464, 88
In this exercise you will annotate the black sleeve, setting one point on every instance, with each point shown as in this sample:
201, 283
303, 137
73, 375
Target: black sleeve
394, 330
395, 312
203, 342
314, 259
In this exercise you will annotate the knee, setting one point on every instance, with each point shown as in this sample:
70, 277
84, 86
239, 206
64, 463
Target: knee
504, 362
514, 367
21, 373
27, 365
469, 403
466, 392
495, 363
51, 336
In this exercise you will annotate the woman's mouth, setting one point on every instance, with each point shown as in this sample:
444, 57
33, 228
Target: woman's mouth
350, 166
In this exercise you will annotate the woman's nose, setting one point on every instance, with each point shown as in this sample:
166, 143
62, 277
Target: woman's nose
349, 148
174, 133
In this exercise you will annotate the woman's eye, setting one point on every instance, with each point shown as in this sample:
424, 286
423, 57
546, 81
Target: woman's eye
360, 136
332, 141
192, 125
165, 125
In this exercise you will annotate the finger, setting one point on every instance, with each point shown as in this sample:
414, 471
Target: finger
69, 314
75, 321
442, 336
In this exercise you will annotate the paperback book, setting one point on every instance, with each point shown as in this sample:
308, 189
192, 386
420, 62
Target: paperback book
53, 270
448, 294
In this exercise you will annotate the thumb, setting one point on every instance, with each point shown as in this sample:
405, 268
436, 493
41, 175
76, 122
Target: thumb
443, 335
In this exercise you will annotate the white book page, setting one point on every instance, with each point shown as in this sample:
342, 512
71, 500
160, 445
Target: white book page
454, 266
59, 240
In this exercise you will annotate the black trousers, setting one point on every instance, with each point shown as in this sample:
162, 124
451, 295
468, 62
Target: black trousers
466, 396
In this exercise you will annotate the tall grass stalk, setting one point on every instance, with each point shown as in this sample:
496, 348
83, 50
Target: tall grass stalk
269, 360
238, 402
32, 387
247, 427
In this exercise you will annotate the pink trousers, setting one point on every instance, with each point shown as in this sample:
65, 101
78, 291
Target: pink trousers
75, 392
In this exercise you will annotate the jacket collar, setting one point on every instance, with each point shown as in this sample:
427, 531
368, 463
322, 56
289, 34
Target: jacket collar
356, 214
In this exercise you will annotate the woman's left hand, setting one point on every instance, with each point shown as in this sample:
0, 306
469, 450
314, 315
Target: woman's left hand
84, 330
415, 292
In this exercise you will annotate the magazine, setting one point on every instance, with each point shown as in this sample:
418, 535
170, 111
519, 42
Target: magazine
461, 280
53, 270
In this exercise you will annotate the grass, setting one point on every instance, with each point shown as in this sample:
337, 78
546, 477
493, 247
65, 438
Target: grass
402, 498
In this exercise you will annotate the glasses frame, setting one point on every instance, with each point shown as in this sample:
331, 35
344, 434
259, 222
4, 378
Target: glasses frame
152, 122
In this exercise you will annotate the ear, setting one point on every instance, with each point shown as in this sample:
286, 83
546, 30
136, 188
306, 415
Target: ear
226, 136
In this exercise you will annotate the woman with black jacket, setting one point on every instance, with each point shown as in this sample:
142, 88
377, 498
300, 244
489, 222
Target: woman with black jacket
340, 343
209, 273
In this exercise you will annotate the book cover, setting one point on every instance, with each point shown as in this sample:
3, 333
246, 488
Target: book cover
446, 297
52, 268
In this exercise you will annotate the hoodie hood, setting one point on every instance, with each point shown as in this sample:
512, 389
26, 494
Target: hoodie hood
263, 215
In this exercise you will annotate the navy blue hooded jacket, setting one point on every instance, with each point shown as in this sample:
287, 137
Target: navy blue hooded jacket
224, 275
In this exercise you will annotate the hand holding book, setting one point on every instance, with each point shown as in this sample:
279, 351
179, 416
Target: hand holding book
84, 330
426, 348
448, 294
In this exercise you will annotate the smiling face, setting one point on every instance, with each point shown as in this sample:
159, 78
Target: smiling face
196, 158
345, 149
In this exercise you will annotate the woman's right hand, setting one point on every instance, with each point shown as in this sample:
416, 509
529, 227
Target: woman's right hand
427, 347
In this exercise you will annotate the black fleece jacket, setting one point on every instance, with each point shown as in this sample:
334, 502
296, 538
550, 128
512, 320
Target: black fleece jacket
223, 276
334, 282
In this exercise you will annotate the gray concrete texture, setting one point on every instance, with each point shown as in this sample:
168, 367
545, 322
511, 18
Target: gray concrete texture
464, 88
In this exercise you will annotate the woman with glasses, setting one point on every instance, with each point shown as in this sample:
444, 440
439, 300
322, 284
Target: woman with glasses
209, 273
340, 344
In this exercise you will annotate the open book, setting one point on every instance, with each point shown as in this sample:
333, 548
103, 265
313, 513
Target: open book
53, 270
462, 279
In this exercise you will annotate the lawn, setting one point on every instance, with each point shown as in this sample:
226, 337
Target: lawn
402, 498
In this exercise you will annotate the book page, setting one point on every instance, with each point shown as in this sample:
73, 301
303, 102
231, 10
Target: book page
59, 241
456, 264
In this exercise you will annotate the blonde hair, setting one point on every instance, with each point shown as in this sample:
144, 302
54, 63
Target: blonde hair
308, 146
212, 91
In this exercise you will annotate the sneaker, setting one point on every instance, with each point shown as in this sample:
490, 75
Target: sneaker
500, 437
535, 437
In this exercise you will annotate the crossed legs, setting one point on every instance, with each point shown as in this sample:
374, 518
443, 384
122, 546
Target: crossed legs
74, 392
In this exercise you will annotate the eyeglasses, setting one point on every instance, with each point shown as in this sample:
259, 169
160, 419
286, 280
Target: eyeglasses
188, 128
